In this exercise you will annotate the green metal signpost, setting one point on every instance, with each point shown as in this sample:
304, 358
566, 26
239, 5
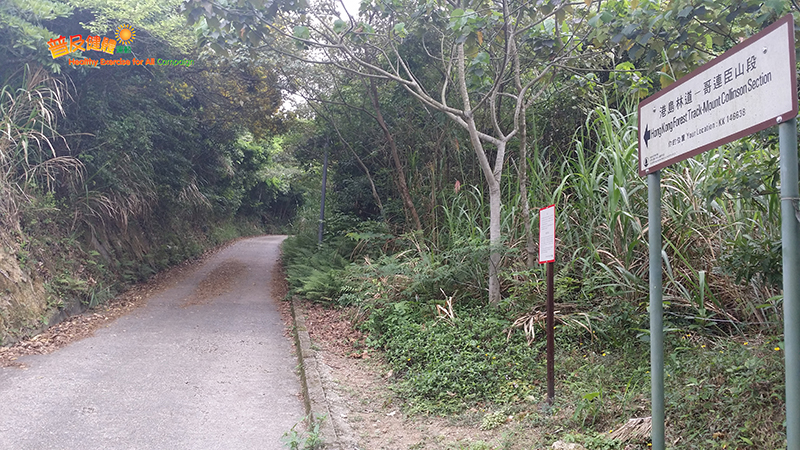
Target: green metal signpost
790, 235
749, 88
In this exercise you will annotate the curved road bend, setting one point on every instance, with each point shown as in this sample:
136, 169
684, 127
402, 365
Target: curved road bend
204, 365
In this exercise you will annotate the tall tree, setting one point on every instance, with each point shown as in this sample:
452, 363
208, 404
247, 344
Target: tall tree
405, 194
478, 52
322, 92
494, 57
486, 83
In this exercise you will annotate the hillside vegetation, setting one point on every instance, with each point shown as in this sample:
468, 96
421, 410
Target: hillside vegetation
442, 127
109, 175
411, 267
420, 297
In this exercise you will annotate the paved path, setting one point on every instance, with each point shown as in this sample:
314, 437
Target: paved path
204, 365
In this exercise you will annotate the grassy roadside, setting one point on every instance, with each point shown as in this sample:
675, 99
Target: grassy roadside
420, 296
452, 356
722, 392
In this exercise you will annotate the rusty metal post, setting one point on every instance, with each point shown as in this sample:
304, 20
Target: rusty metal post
551, 388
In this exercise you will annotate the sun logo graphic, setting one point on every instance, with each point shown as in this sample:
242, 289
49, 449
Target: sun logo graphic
125, 34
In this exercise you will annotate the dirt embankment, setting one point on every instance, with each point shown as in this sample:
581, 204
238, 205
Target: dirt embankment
52, 269
22, 296
78, 326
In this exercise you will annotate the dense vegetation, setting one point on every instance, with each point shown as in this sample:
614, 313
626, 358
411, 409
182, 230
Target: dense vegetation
111, 174
419, 286
448, 123
421, 299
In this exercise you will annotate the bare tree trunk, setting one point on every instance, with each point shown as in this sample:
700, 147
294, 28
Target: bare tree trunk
492, 178
405, 195
492, 175
494, 242
523, 193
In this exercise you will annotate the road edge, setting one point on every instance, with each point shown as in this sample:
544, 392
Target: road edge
317, 410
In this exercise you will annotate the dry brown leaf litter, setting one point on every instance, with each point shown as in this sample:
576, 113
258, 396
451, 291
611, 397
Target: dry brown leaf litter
84, 325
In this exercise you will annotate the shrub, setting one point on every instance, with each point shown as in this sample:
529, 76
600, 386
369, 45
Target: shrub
447, 364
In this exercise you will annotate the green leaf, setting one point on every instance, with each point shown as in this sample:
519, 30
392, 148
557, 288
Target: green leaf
456, 18
301, 32
591, 396
400, 30
481, 58
339, 26
685, 12
644, 38
629, 30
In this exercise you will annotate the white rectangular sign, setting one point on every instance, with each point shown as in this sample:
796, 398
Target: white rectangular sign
547, 234
749, 88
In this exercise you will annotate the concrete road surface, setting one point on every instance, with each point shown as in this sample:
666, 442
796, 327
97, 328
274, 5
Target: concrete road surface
204, 365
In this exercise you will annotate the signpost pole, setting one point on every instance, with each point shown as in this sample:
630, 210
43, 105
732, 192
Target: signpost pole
547, 255
322, 199
656, 310
790, 236
551, 390
749, 88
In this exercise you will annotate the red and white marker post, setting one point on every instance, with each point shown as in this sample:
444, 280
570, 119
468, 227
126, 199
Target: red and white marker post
547, 255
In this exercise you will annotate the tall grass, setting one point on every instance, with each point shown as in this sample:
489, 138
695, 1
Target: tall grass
604, 208
29, 140
602, 224
720, 248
